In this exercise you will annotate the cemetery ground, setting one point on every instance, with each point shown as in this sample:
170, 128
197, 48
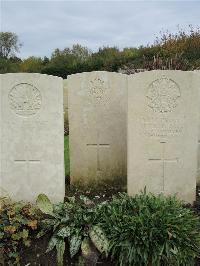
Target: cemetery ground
24, 223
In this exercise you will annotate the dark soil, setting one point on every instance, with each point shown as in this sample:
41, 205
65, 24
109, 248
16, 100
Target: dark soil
36, 253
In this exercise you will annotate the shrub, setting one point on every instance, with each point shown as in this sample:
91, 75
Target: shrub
71, 221
17, 220
150, 230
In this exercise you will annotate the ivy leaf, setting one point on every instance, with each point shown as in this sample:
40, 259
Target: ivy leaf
32, 224
99, 239
44, 204
27, 243
16, 236
75, 243
24, 234
10, 229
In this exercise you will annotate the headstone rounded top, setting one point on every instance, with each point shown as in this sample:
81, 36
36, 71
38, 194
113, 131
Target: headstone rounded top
163, 95
25, 99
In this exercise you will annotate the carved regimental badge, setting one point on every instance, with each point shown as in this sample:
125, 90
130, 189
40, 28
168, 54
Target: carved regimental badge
25, 99
98, 90
163, 95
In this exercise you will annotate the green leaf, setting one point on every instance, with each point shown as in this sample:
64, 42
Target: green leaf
85, 247
99, 239
86, 200
64, 232
41, 233
89, 252
48, 224
52, 243
75, 243
27, 243
44, 204
24, 234
60, 247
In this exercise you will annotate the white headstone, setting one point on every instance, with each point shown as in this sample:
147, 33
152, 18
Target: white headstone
197, 84
32, 145
97, 128
162, 133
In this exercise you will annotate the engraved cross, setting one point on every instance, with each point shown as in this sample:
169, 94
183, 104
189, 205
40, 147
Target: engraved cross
163, 161
27, 163
98, 146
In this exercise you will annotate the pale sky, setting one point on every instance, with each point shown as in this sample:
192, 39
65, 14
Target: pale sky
45, 25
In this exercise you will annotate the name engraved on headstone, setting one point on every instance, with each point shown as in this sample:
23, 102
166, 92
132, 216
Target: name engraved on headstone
162, 126
25, 99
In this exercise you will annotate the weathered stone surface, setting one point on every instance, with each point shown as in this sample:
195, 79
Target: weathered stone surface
32, 148
163, 133
97, 127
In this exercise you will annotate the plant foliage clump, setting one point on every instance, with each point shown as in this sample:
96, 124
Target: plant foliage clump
71, 222
150, 230
17, 222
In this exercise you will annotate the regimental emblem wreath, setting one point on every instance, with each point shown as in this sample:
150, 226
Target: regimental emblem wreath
25, 99
163, 95
98, 91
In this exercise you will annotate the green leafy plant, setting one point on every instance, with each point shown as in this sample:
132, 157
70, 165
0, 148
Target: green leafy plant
149, 230
71, 221
17, 221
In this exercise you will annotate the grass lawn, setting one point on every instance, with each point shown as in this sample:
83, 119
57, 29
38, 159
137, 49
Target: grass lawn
66, 154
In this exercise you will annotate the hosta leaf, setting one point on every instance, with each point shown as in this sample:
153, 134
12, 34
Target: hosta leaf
64, 232
47, 224
52, 243
85, 247
86, 200
44, 204
75, 243
99, 239
89, 252
60, 247
65, 219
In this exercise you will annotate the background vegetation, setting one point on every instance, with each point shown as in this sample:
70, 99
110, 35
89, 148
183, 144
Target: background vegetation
66, 155
180, 50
